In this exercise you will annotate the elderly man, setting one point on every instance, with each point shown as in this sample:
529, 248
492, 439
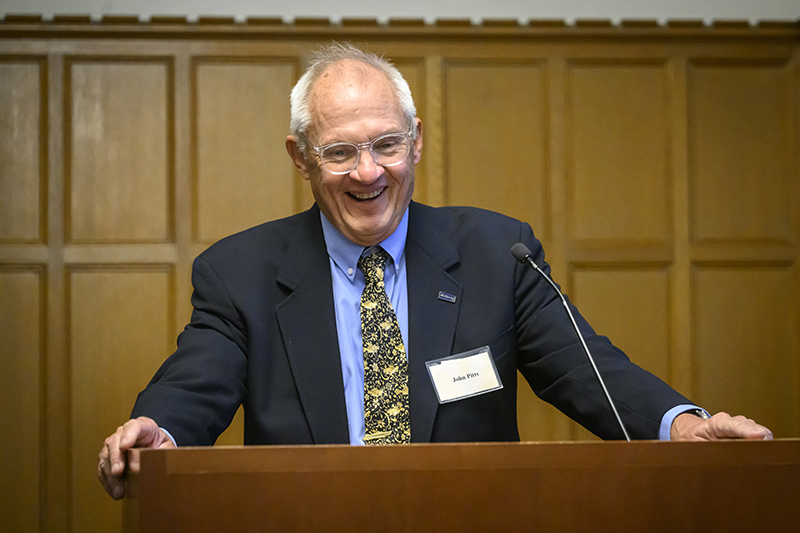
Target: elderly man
335, 325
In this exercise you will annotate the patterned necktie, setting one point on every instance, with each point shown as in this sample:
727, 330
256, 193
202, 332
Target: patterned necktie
386, 416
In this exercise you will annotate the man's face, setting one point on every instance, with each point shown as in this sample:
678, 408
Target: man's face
355, 103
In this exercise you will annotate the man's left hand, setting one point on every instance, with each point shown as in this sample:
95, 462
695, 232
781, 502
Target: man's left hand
687, 426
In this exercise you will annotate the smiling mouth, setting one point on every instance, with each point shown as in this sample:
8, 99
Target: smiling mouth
363, 197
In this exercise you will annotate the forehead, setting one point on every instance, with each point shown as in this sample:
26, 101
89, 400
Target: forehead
351, 95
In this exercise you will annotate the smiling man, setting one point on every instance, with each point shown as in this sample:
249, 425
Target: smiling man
372, 319
352, 102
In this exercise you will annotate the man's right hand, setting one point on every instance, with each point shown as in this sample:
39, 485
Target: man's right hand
141, 432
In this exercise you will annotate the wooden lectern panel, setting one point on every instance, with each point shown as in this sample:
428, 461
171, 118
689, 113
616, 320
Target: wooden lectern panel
643, 486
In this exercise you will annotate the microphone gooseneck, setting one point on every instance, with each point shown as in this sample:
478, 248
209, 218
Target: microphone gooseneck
522, 254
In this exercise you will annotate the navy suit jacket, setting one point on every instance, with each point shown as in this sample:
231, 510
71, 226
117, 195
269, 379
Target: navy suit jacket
263, 334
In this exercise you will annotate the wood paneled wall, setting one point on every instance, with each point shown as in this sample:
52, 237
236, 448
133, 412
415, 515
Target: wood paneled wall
659, 166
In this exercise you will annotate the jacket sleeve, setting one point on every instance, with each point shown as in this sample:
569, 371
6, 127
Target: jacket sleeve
553, 362
196, 392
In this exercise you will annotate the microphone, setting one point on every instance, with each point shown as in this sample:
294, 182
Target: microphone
522, 254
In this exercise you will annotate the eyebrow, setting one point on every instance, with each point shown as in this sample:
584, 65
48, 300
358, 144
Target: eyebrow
385, 132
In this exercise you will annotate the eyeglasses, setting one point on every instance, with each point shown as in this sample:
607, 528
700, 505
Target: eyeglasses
387, 151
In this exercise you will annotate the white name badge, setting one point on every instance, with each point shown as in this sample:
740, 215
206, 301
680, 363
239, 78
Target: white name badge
463, 375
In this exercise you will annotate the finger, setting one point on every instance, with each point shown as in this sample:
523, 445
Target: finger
140, 432
130, 434
101, 473
102, 458
111, 482
116, 460
104, 463
749, 429
103, 480
739, 426
133, 460
114, 485
726, 426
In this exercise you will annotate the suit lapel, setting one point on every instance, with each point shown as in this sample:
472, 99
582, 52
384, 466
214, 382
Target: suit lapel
432, 321
308, 325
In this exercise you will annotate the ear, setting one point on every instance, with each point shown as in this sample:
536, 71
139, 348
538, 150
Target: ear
418, 141
298, 158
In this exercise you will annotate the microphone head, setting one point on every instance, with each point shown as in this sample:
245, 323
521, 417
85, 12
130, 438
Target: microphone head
520, 252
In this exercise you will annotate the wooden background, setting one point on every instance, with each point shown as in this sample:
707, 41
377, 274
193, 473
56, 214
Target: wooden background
658, 164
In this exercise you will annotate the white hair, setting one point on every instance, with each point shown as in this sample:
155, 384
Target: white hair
324, 58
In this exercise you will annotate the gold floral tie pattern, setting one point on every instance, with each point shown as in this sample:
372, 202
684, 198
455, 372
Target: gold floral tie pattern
386, 415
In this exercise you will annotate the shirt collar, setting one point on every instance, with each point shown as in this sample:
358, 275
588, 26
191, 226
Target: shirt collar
345, 253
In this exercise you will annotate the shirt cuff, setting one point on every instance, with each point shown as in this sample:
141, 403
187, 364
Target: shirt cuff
669, 417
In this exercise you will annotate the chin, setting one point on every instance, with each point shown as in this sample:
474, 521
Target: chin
368, 236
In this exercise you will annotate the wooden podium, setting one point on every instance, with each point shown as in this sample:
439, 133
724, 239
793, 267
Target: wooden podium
564, 487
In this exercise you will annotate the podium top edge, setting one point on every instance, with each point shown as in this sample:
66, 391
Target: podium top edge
473, 456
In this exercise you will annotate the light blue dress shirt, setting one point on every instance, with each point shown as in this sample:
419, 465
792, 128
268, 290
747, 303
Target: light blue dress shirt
348, 284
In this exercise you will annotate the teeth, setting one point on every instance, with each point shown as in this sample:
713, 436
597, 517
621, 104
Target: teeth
367, 195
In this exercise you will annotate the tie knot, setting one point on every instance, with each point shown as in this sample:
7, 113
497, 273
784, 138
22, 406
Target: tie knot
373, 265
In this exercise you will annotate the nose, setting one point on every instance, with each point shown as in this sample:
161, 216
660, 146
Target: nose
367, 170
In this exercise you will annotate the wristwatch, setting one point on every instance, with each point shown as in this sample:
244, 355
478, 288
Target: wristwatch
702, 413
